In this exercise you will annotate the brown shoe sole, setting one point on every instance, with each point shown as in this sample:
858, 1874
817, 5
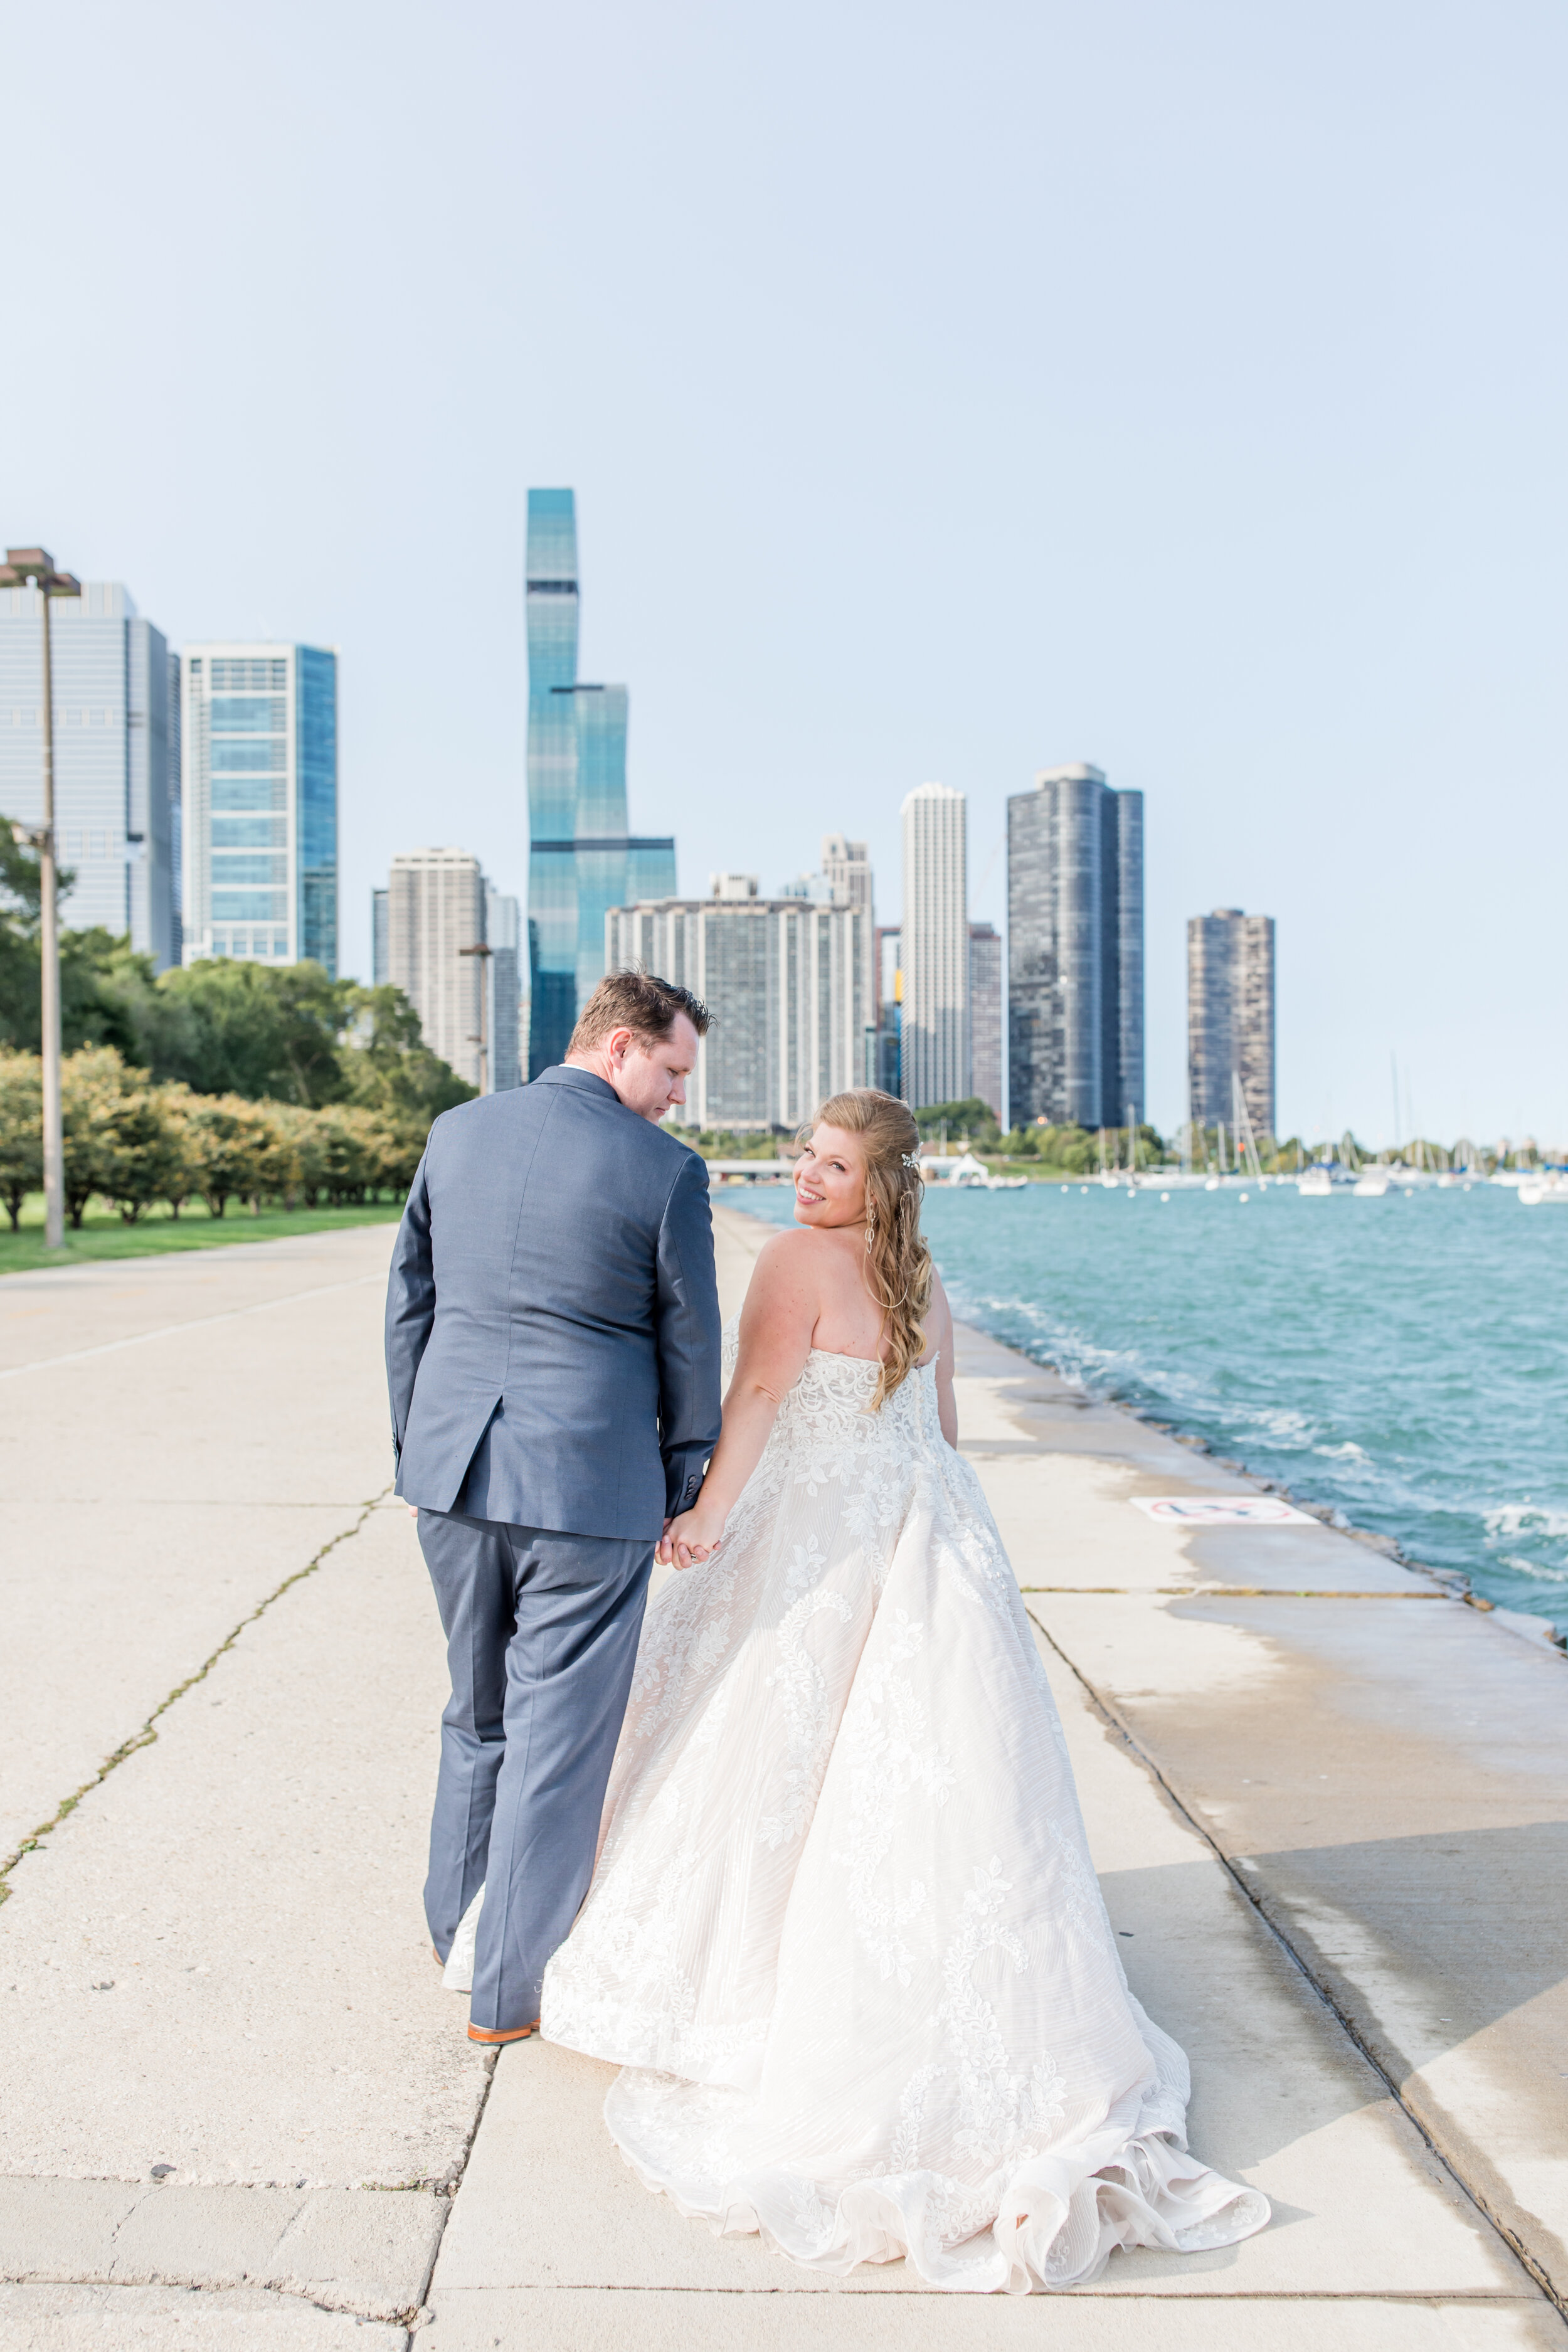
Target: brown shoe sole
514, 2033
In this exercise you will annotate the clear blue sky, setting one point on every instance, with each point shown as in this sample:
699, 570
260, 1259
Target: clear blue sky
948, 391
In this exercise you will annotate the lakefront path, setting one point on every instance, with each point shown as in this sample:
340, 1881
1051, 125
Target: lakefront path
1329, 1804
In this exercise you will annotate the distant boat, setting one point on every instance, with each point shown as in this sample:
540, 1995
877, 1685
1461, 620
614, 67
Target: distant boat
1316, 1184
1540, 1189
967, 1174
1372, 1185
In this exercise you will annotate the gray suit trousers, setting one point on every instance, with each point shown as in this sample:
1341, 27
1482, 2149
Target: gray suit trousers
541, 1636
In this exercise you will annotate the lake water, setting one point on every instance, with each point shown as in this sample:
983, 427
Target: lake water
1403, 1362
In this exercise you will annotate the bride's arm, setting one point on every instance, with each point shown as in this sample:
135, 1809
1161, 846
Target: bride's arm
776, 1326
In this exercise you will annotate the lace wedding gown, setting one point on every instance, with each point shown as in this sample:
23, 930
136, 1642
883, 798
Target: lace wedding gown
844, 1935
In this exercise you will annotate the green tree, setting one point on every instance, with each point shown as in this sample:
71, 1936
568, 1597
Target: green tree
388, 1066
250, 1029
92, 1085
144, 1147
972, 1116
228, 1138
21, 1129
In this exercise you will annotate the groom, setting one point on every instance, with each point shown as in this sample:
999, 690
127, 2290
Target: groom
553, 1354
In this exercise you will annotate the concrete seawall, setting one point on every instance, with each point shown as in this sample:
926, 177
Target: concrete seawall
1327, 1801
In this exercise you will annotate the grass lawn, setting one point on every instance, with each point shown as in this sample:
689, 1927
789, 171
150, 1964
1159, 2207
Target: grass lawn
103, 1234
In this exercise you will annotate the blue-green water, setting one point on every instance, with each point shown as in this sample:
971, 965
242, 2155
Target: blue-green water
1403, 1362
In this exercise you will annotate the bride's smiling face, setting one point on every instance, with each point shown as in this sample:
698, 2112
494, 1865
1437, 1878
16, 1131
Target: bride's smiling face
830, 1179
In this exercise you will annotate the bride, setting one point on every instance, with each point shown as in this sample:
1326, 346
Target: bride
844, 1937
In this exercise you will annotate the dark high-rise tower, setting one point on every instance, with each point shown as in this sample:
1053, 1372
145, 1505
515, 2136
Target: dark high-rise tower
582, 860
1075, 950
1230, 1018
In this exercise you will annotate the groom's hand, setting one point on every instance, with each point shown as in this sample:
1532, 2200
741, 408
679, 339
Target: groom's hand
689, 1538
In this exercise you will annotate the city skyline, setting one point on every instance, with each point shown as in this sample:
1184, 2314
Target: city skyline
1284, 556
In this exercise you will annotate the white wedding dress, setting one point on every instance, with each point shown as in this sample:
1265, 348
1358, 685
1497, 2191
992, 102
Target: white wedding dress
844, 1935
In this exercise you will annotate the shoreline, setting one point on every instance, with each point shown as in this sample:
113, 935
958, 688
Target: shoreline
1547, 1632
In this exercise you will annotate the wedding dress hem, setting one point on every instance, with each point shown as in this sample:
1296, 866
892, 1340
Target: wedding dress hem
1058, 2218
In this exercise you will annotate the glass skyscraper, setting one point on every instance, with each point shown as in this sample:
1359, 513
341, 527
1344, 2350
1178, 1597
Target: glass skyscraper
259, 747
582, 859
117, 779
1075, 950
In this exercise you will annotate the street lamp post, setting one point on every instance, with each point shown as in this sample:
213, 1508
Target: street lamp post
481, 1040
35, 567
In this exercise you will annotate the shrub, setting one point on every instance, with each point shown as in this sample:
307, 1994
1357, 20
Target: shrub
21, 1130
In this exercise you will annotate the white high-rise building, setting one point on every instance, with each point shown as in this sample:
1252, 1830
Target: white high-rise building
259, 747
117, 779
436, 908
789, 984
934, 949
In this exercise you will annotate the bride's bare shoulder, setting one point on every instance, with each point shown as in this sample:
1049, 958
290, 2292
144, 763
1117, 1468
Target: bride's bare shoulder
791, 1256
795, 1263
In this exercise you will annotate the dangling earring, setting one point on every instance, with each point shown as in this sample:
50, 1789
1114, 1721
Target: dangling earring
870, 1227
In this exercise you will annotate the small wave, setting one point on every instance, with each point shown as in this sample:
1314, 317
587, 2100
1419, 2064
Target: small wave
1533, 1568
1525, 1519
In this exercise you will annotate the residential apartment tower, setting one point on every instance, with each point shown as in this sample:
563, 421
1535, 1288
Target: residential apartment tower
788, 981
934, 949
1230, 1018
1075, 961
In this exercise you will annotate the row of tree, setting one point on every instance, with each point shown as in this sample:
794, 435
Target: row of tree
225, 1081
135, 1143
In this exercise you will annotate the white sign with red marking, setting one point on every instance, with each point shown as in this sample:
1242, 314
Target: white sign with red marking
1222, 1511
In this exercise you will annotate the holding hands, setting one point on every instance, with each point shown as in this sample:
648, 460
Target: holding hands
694, 1536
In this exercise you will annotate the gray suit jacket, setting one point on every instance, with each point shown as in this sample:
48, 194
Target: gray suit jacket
553, 1334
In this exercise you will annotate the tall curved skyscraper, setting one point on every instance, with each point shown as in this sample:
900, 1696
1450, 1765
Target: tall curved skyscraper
582, 859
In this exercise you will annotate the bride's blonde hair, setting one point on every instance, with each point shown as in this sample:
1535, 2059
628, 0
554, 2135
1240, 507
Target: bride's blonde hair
898, 1263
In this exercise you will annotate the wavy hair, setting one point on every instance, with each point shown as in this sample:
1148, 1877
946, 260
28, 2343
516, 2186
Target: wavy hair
897, 1261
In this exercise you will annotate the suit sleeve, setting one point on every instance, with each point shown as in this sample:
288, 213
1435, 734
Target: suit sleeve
689, 1337
410, 1303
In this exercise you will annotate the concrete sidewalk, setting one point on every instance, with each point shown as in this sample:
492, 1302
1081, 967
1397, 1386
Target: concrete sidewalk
227, 2064
233, 2100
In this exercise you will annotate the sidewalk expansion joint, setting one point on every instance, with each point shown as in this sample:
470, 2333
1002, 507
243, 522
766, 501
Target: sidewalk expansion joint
196, 1323
1108, 1715
1231, 1592
148, 1735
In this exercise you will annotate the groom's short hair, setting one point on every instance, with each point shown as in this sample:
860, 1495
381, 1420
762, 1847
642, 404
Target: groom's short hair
641, 1003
